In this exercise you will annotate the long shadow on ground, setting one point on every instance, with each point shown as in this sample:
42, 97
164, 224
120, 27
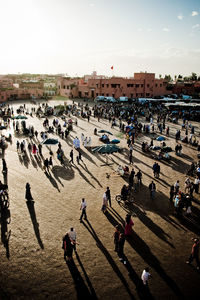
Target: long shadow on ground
81, 288
31, 209
90, 229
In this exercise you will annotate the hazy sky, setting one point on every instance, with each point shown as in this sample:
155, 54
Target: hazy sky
79, 36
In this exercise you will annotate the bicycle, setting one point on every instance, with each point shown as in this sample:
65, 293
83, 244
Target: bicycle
120, 199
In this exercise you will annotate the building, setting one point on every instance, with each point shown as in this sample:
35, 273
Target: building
141, 85
68, 87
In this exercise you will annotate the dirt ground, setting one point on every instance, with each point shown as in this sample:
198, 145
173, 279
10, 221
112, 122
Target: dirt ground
32, 264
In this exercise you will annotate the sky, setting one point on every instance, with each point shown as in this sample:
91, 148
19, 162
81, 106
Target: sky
76, 37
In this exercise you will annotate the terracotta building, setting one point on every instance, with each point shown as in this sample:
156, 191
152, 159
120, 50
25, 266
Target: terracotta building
20, 94
91, 86
141, 85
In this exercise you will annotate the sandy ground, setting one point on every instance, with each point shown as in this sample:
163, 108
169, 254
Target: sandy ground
36, 269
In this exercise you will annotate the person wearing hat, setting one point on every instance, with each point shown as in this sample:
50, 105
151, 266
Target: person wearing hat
194, 253
116, 238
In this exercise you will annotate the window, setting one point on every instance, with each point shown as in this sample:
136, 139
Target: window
161, 85
97, 94
68, 87
156, 85
97, 85
64, 87
131, 95
102, 85
137, 85
113, 95
107, 95
107, 85
136, 94
147, 94
115, 85
124, 95
130, 85
148, 85
142, 85
102, 94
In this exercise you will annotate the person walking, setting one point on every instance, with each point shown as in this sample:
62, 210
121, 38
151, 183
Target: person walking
71, 156
116, 236
105, 203
121, 247
67, 247
176, 186
196, 185
128, 225
145, 276
50, 161
83, 209
158, 170
40, 149
18, 145
130, 158
152, 188
80, 156
72, 236
194, 253
154, 169
139, 177
46, 165
108, 196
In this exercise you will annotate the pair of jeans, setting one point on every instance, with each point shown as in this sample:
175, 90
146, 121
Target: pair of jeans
83, 214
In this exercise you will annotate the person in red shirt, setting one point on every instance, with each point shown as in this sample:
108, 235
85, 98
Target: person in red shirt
194, 253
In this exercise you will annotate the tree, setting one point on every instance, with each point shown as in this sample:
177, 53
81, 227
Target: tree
194, 76
168, 78
160, 76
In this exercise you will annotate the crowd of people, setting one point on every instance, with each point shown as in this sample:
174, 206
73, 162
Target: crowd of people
128, 123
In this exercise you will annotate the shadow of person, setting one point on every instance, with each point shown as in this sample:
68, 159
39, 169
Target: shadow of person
5, 234
144, 251
81, 288
92, 291
143, 292
5, 178
92, 176
52, 180
31, 209
64, 172
115, 268
83, 176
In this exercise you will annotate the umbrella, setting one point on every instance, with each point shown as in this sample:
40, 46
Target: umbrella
20, 117
106, 149
155, 148
115, 141
160, 138
104, 131
167, 149
50, 142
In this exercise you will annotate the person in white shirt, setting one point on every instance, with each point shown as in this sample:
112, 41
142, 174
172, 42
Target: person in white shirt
83, 208
196, 185
145, 276
72, 236
176, 186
